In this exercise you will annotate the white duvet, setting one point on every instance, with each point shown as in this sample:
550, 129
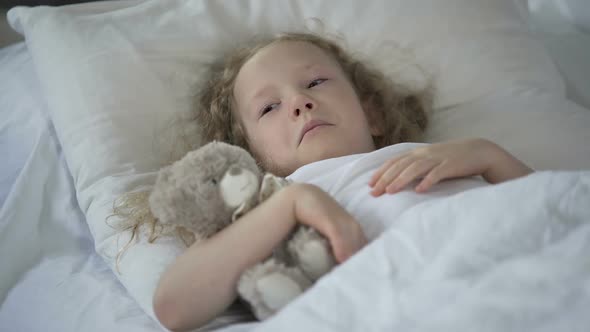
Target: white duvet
465, 257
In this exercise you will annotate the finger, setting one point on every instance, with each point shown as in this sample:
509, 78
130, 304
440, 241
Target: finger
347, 252
359, 240
336, 243
352, 240
336, 233
412, 172
390, 174
339, 252
433, 177
377, 175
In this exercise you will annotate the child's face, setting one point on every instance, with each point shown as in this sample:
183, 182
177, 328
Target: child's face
288, 88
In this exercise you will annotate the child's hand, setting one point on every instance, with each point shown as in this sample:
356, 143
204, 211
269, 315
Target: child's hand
437, 162
317, 209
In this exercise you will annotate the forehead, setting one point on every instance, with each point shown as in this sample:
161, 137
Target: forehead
282, 57
291, 53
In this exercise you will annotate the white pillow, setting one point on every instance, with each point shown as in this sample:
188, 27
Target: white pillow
116, 73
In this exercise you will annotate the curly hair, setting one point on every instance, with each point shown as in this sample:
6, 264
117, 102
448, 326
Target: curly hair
400, 113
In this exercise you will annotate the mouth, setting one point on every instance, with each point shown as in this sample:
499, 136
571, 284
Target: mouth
309, 126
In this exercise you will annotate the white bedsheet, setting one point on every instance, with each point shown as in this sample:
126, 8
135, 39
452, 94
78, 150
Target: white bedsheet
510, 257
51, 279
20, 117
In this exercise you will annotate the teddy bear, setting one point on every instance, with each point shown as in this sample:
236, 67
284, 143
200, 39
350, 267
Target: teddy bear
212, 187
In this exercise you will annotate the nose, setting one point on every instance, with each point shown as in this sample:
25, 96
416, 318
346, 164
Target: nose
302, 104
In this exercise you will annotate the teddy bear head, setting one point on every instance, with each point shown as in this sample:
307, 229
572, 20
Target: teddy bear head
201, 191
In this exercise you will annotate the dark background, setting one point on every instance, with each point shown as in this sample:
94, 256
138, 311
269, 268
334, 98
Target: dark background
7, 3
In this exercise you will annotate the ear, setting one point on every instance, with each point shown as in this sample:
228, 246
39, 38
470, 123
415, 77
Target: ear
374, 118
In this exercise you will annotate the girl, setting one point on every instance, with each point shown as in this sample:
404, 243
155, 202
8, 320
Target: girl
291, 101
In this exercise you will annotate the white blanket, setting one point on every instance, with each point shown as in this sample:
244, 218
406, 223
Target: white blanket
507, 257
346, 179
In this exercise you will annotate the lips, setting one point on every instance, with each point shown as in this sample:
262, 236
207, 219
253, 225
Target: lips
311, 125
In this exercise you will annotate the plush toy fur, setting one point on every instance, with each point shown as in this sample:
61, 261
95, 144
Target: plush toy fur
214, 186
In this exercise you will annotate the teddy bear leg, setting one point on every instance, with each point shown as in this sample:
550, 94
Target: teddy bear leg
311, 252
271, 285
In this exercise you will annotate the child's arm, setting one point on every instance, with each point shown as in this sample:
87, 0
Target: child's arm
441, 161
201, 283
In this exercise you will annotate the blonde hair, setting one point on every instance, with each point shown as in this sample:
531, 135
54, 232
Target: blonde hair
399, 112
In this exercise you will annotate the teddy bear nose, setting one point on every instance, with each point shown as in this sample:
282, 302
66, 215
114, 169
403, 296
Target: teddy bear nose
234, 171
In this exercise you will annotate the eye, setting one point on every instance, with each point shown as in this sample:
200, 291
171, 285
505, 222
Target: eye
315, 82
213, 181
268, 108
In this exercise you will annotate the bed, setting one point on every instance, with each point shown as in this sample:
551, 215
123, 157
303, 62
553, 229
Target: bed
96, 82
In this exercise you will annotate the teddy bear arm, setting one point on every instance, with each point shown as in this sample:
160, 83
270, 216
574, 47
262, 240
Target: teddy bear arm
311, 252
269, 286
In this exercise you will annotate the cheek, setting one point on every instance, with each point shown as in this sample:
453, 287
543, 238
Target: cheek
268, 139
355, 110
348, 100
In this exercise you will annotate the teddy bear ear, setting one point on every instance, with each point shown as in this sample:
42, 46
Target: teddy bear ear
161, 198
239, 212
270, 185
163, 174
186, 236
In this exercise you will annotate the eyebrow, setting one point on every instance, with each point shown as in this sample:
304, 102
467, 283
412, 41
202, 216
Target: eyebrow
261, 91
265, 88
